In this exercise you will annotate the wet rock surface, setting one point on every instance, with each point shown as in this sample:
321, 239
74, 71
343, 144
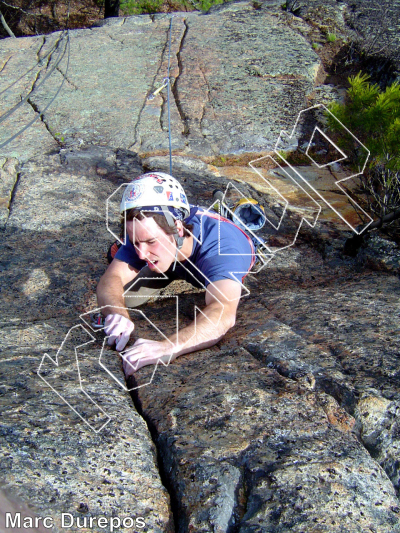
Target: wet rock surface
290, 423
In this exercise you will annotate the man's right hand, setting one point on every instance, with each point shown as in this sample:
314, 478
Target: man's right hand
119, 329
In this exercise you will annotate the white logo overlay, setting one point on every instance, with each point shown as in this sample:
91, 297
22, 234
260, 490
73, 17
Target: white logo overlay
74, 349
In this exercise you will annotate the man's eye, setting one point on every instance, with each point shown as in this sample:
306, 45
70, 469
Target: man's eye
151, 242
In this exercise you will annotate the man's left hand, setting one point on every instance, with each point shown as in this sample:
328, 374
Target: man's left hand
145, 352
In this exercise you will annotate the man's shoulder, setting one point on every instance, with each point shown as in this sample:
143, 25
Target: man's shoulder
210, 219
213, 230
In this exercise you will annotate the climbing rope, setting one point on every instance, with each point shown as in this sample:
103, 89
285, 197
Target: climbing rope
168, 98
166, 83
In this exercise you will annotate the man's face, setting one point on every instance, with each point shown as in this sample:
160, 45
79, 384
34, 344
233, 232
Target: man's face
151, 243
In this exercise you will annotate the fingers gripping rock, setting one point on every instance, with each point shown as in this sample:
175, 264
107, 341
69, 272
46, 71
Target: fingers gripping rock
119, 329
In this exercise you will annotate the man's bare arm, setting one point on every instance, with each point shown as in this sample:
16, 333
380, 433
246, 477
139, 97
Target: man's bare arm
110, 288
211, 324
222, 299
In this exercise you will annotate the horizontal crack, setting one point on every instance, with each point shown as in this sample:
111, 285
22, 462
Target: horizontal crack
114, 39
346, 398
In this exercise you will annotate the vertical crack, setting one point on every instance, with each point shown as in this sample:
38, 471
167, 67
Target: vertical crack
37, 77
174, 86
136, 127
51, 52
40, 49
165, 480
242, 499
168, 465
12, 196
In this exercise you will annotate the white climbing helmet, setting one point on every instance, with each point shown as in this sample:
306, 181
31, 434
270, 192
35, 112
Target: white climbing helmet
155, 189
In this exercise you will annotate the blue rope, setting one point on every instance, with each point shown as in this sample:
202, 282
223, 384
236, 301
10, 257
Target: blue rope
168, 102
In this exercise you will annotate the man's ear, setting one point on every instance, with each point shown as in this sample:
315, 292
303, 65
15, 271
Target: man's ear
179, 227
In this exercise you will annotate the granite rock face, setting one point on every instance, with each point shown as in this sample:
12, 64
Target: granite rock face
231, 91
293, 411
53, 254
289, 423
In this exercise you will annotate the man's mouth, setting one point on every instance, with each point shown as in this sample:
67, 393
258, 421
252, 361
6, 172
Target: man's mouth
151, 263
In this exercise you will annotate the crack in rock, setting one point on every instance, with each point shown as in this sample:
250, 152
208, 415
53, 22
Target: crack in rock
41, 117
202, 70
160, 461
5, 63
10, 175
39, 60
174, 87
379, 423
372, 418
160, 65
66, 79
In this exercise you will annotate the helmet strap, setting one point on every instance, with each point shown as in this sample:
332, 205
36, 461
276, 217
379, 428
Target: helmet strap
179, 240
176, 259
171, 223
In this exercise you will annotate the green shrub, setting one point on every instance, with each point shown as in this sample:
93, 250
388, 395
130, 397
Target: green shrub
203, 5
331, 37
138, 7
373, 116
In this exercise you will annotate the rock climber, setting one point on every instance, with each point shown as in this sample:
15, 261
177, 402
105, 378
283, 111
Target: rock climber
168, 239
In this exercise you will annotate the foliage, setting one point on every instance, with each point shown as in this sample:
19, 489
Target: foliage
36, 17
59, 137
331, 37
373, 116
137, 7
205, 5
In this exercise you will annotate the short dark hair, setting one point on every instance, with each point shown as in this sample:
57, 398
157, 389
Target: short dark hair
161, 221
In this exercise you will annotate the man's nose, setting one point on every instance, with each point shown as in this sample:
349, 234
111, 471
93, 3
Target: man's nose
141, 250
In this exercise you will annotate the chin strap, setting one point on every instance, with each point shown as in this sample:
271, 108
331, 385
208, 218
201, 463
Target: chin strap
179, 240
176, 258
